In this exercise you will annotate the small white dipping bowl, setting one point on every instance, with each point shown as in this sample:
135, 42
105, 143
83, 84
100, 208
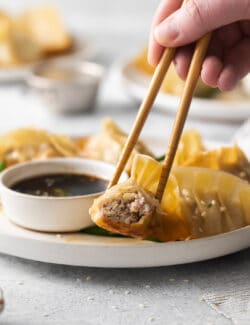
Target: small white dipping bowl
66, 86
51, 214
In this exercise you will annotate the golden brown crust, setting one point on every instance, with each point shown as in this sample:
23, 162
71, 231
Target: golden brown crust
157, 225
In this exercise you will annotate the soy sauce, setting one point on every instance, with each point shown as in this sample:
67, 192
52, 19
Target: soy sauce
61, 185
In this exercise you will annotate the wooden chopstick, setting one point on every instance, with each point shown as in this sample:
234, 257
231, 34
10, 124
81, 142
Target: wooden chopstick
154, 87
190, 85
144, 110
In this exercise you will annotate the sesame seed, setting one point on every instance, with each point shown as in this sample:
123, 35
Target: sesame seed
242, 174
222, 209
58, 236
186, 280
203, 214
147, 286
213, 202
127, 292
90, 298
151, 319
114, 307
200, 229
142, 306
202, 202
185, 192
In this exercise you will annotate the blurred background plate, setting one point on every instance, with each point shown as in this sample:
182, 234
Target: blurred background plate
136, 83
83, 49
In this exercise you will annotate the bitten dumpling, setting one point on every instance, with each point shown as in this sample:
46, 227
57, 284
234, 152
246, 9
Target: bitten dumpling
197, 202
130, 210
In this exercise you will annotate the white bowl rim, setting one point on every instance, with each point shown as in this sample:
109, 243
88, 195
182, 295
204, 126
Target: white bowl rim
55, 161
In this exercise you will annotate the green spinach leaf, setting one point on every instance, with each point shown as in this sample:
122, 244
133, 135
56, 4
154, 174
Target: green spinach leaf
2, 165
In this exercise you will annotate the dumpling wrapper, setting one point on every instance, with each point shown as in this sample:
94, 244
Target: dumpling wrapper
197, 202
108, 144
229, 159
209, 200
130, 210
27, 144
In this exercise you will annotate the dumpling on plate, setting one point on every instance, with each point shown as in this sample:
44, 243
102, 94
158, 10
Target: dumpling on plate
44, 27
8, 55
15, 47
31, 36
108, 145
229, 159
209, 200
130, 210
28, 144
197, 202
192, 152
190, 145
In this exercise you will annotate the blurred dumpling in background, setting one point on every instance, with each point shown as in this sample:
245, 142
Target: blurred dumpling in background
172, 83
8, 56
43, 26
31, 36
108, 145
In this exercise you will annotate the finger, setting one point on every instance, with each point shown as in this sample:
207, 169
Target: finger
237, 66
228, 36
195, 19
212, 65
211, 70
228, 78
155, 51
166, 8
182, 60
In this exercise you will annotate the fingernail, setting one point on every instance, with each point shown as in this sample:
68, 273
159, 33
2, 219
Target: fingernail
166, 32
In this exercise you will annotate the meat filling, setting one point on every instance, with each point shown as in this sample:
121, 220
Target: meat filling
128, 209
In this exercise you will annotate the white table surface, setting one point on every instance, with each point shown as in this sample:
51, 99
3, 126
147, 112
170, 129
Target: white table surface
37, 293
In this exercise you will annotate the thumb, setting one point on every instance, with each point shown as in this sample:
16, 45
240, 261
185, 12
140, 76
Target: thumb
197, 17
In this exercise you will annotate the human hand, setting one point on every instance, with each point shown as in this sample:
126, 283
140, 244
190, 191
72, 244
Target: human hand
228, 57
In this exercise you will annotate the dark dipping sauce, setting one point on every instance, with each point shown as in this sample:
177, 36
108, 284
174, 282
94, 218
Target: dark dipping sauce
61, 185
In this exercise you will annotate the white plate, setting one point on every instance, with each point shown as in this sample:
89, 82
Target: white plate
136, 84
89, 250
83, 49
